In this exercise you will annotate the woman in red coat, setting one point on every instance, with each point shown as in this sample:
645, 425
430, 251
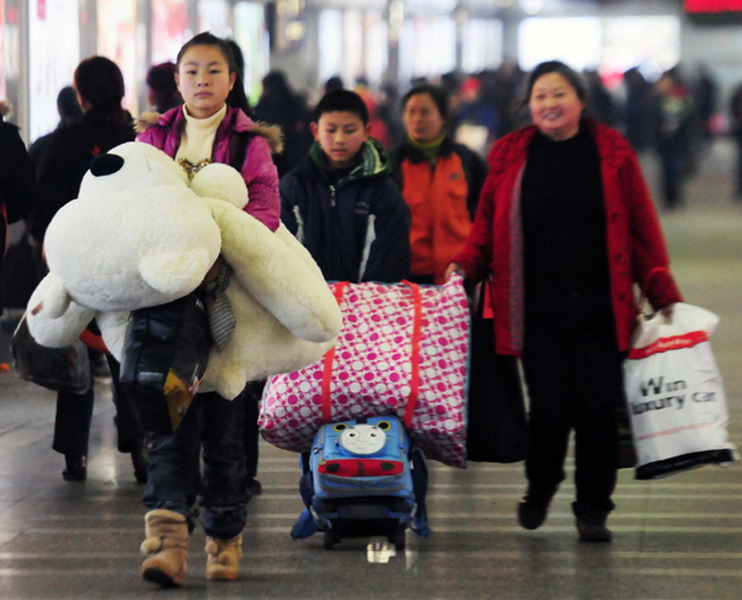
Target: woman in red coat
566, 228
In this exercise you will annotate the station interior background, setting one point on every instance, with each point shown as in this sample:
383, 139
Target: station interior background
677, 538
384, 41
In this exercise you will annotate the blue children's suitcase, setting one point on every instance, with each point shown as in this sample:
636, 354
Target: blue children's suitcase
363, 478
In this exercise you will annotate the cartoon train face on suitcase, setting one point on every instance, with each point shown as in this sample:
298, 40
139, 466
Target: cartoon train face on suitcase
365, 445
367, 456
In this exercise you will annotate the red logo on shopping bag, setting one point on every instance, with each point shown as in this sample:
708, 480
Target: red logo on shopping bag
677, 342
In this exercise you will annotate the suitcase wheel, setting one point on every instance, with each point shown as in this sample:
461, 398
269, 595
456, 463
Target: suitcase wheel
398, 536
330, 539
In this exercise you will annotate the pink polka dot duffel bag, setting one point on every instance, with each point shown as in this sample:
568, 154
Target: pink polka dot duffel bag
403, 350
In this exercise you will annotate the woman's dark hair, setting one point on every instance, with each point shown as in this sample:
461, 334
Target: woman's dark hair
555, 66
99, 81
437, 93
162, 87
233, 55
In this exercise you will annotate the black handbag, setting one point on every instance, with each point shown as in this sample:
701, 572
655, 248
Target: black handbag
497, 429
166, 349
65, 369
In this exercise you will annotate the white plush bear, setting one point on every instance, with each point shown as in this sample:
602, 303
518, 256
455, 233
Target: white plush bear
139, 236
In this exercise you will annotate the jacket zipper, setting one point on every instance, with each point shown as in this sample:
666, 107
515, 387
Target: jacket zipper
332, 196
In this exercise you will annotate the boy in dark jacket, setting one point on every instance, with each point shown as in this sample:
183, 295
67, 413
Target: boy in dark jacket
341, 202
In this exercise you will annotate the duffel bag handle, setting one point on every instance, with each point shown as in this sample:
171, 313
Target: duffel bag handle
328, 359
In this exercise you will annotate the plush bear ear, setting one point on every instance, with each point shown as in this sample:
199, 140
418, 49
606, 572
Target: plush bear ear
221, 182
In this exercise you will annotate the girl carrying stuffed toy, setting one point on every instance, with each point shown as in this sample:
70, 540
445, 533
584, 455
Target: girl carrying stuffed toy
211, 126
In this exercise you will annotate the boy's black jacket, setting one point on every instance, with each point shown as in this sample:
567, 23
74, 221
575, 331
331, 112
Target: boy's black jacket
357, 229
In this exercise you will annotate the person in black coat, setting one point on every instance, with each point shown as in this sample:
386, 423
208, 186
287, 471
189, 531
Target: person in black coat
280, 105
16, 179
100, 88
69, 111
25, 267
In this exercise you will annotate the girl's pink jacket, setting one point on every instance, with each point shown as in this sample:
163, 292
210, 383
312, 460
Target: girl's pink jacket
258, 170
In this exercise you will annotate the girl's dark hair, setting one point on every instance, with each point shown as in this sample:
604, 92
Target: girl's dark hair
233, 55
437, 93
99, 81
556, 66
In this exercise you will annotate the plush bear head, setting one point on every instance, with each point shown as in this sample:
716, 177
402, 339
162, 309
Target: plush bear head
138, 227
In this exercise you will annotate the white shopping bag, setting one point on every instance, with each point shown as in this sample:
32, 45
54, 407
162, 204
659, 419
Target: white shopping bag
675, 396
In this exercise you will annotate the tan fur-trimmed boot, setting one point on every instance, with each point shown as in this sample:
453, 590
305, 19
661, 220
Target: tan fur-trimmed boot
223, 557
166, 547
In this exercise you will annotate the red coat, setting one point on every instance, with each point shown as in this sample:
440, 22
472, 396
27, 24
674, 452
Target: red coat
636, 247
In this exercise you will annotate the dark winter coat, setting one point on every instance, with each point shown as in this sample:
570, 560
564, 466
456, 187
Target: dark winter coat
68, 157
16, 176
357, 229
16, 184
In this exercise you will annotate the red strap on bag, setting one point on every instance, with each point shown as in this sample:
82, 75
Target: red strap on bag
327, 362
93, 341
329, 357
417, 325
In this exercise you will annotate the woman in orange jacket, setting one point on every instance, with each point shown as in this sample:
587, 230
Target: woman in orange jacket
440, 181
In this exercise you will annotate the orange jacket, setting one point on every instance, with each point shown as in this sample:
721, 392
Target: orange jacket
442, 201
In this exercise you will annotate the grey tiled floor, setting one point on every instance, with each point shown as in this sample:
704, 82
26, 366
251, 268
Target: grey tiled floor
677, 538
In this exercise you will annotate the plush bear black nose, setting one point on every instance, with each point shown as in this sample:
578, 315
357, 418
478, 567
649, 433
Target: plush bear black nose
106, 164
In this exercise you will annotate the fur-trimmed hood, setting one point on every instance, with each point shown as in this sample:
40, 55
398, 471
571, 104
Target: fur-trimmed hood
6, 108
146, 120
270, 132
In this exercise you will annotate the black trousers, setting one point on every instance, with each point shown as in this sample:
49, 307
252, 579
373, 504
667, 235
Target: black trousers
175, 480
252, 395
75, 413
574, 376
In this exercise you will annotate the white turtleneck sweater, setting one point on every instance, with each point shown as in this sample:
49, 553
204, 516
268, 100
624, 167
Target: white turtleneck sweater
198, 137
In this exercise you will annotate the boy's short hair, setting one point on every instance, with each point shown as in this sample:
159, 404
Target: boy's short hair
341, 101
